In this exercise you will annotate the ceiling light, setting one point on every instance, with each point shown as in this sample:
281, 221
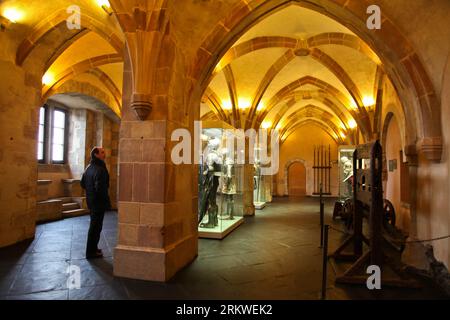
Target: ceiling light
12, 14
266, 125
343, 135
261, 106
48, 79
353, 104
105, 6
352, 124
226, 105
244, 103
368, 101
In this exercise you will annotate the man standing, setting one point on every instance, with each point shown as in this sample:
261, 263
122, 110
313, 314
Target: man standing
95, 181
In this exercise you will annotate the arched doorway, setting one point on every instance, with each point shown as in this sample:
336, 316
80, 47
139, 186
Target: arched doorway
198, 76
297, 180
396, 188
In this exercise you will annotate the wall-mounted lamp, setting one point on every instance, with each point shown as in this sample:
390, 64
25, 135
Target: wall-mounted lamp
266, 125
369, 102
9, 16
226, 105
244, 103
4, 23
48, 79
105, 6
352, 124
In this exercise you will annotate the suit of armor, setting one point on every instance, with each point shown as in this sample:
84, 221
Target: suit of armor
229, 187
209, 187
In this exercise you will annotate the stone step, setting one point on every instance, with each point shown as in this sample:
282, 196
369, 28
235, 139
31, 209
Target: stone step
70, 206
65, 199
74, 213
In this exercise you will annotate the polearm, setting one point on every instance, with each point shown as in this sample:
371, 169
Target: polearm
314, 170
321, 165
329, 169
327, 162
318, 169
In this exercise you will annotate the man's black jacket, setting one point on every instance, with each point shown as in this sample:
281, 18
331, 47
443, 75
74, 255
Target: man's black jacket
95, 181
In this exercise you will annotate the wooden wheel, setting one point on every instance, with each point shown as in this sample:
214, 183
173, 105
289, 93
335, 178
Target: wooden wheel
388, 213
347, 213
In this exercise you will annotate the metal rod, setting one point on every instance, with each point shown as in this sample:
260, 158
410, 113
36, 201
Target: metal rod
329, 169
325, 263
314, 170
322, 218
320, 165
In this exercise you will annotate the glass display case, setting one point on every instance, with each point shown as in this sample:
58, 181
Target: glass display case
346, 171
220, 186
259, 194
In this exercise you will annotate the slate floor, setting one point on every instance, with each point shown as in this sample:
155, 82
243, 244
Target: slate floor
274, 255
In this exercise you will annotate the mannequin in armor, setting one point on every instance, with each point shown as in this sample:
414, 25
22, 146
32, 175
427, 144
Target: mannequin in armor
257, 181
229, 187
347, 169
209, 188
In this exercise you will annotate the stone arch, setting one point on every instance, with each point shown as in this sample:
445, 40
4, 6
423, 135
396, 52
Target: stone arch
318, 122
403, 66
259, 43
53, 21
386, 122
390, 116
86, 66
288, 164
86, 89
303, 95
392, 113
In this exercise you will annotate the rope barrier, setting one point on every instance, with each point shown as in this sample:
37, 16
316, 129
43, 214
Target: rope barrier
428, 240
341, 231
400, 242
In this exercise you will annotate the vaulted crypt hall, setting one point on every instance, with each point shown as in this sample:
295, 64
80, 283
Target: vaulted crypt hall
357, 121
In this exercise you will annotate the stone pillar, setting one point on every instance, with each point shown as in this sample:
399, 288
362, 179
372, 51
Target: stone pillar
114, 163
249, 183
157, 225
157, 210
249, 206
411, 154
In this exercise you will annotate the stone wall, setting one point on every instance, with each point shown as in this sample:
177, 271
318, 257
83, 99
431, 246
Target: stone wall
107, 136
300, 146
77, 141
55, 173
392, 191
19, 109
429, 216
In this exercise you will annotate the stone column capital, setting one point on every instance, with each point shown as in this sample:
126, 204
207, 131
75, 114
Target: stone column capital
141, 105
411, 155
431, 148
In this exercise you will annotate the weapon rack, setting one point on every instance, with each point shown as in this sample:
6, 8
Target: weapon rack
322, 170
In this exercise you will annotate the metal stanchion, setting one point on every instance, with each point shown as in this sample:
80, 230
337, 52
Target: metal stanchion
325, 263
322, 218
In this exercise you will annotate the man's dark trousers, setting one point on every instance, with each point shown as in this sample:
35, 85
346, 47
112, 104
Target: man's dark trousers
95, 229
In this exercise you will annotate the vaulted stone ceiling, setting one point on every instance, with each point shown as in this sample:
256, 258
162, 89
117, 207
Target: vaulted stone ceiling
83, 61
293, 68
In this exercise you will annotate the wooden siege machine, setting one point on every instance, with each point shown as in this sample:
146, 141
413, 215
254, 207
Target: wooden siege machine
368, 198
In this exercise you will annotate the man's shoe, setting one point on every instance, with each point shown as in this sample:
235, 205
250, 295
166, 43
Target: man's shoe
94, 256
